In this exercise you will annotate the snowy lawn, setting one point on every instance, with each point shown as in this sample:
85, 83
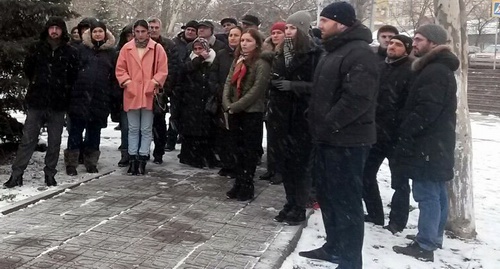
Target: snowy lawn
484, 252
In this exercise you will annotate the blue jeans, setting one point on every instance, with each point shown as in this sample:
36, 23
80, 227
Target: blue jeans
338, 172
140, 131
432, 199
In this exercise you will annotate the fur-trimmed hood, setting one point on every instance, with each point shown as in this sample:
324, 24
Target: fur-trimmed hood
109, 44
440, 54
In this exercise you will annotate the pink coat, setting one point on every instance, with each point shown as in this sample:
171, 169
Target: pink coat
139, 93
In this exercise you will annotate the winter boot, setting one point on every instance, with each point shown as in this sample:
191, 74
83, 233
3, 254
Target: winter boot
267, 175
414, 250
13, 182
123, 162
133, 168
50, 181
142, 164
90, 160
71, 161
246, 190
295, 216
276, 179
283, 212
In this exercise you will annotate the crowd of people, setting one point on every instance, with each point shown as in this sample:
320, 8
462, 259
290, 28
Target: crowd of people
334, 109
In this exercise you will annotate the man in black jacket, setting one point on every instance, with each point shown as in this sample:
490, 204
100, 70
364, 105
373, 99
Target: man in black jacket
384, 35
342, 125
426, 137
159, 122
51, 66
394, 85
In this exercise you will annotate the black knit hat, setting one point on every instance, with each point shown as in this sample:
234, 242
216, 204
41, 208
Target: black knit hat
250, 19
407, 42
192, 24
56, 21
231, 20
433, 32
341, 12
97, 24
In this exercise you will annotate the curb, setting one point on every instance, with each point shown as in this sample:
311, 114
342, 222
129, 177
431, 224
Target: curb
48, 194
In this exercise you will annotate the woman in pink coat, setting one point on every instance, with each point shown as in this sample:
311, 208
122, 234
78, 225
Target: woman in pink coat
141, 70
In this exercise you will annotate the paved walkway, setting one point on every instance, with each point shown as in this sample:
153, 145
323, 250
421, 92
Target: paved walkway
163, 220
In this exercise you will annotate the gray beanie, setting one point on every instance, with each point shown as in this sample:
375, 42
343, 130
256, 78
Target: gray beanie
300, 19
433, 32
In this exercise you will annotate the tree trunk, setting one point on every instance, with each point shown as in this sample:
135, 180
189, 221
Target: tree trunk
461, 201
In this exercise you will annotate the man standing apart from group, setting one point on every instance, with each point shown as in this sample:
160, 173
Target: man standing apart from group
342, 124
426, 144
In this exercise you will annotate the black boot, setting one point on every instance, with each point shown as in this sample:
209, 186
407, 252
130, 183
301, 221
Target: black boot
246, 190
133, 168
267, 175
50, 181
90, 160
233, 192
142, 164
295, 216
276, 179
71, 161
13, 182
283, 212
124, 161
414, 250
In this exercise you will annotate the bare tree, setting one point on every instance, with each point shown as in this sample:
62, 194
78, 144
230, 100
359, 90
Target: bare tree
479, 13
409, 14
461, 218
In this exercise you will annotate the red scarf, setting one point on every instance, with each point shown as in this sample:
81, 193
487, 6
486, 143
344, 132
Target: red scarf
239, 73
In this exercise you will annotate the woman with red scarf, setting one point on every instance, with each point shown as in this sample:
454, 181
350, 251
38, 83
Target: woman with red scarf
244, 102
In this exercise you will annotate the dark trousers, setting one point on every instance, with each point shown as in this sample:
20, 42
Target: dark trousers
171, 134
159, 134
295, 166
197, 151
271, 148
124, 129
246, 130
35, 119
400, 203
75, 135
339, 177
224, 147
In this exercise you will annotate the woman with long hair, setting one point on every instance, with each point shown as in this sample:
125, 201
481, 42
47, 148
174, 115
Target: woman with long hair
141, 70
293, 69
90, 97
218, 75
243, 101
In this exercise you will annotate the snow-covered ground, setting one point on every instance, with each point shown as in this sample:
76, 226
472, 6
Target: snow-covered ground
484, 252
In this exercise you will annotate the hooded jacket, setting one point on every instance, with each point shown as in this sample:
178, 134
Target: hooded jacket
51, 72
342, 106
92, 92
426, 144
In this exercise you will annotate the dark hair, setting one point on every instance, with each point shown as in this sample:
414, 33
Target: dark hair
123, 36
255, 34
142, 23
387, 28
237, 27
301, 42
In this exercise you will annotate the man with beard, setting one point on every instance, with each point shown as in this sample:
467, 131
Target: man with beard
393, 90
51, 66
426, 137
342, 125
159, 123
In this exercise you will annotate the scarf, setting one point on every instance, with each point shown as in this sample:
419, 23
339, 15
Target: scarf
239, 73
288, 51
142, 44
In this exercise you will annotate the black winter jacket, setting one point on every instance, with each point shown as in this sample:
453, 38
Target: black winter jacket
92, 93
174, 62
51, 73
192, 93
425, 149
343, 100
395, 82
289, 107
182, 46
218, 75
